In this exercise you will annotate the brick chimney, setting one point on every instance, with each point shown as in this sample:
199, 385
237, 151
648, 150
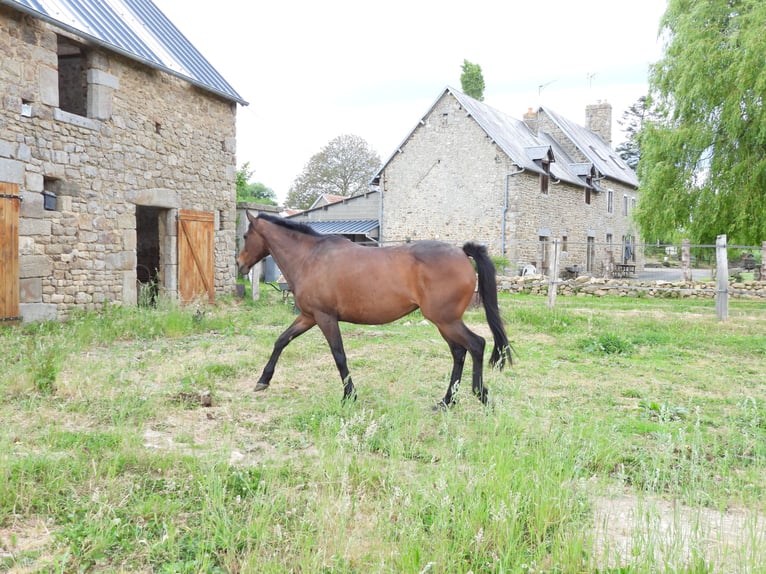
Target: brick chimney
598, 119
530, 118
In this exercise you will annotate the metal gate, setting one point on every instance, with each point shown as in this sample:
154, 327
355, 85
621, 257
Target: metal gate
9, 252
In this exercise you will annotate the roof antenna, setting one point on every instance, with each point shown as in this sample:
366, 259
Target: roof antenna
541, 87
589, 76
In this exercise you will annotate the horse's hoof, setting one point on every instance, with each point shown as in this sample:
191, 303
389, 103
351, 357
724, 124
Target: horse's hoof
261, 387
439, 407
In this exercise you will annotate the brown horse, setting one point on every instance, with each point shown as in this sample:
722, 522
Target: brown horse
334, 280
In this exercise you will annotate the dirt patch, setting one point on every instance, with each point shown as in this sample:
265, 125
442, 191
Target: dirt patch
24, 537
627, 526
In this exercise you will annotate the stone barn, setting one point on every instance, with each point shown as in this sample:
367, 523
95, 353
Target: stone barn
470, 172
117, 160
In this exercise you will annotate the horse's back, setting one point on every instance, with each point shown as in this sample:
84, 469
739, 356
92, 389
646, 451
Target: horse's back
378, 285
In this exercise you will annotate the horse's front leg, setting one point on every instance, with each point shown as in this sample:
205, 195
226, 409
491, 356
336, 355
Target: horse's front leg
331, 331
301, 324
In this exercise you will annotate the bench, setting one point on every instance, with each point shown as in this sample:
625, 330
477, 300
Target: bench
623, 270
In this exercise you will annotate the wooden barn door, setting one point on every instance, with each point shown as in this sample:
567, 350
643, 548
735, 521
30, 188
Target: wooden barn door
196, 275
9, 252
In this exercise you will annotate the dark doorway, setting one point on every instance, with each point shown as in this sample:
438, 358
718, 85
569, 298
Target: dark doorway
147, 253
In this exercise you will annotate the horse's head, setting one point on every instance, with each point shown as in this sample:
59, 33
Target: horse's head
254, 248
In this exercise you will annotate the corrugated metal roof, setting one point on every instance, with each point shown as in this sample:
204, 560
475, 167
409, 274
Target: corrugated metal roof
136, 29
343, 227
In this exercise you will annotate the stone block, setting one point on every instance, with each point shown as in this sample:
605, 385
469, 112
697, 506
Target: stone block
11, 171
121, 260
33, 226
31, 290
32, 312
34, 266
31, 205
49, 86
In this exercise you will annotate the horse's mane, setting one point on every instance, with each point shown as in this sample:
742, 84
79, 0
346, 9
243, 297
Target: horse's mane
287, 224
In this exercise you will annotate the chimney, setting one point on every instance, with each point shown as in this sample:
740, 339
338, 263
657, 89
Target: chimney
598, 119
530, 118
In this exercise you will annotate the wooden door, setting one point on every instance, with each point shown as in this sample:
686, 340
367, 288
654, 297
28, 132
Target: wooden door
9, 252
196, 273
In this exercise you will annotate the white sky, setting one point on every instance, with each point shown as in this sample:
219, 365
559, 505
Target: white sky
312, 71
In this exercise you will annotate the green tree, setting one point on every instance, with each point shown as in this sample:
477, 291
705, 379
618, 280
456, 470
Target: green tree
344, 167
703, 166
632, 121
472, 80
253, 192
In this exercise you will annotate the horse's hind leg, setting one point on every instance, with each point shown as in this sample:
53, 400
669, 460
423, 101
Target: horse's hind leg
301, 324
458, 361
461, 339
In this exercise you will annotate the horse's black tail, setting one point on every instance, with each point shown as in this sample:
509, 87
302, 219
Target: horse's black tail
488, 294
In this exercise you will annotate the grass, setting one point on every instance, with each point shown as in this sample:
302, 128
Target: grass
629, 436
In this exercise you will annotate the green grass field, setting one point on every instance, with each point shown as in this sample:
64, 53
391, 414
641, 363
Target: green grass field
629, 436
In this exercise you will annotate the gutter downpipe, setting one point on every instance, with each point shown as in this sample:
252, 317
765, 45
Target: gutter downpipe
505, 209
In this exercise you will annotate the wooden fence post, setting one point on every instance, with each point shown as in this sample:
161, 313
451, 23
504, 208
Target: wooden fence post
554, 273
722, 279
686, 261
763, 261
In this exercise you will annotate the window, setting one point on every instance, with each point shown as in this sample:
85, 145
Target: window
625, 205
610, 201
587, 196
545, 177
564, 243
73, 80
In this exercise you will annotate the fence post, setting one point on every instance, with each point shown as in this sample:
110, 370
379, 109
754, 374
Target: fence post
255, 281
554, 273
722, 279
763, 261
686, 261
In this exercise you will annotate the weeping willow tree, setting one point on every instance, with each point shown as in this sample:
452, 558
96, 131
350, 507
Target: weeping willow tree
703, 153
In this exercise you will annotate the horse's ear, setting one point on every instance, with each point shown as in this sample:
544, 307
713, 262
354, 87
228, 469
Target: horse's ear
250, 218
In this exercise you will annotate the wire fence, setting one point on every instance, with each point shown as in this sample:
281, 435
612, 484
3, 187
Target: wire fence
717, 271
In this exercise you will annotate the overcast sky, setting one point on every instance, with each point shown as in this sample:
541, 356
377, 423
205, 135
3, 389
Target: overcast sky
312, 71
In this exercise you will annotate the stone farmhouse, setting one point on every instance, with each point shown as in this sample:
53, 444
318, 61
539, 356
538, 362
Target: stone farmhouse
117, 160
470, 172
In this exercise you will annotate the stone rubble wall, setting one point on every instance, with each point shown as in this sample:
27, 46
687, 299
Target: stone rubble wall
585, 286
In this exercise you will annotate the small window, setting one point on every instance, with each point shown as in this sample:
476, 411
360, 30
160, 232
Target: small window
564, 244
73, 80
587, 195
545, 177
625, 205
51, 188
610, 201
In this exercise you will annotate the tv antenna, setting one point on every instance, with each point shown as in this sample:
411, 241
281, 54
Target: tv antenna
541, 87
589, 76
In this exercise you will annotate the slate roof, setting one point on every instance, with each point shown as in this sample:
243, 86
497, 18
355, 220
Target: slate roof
527, 149
604, 158
136, 29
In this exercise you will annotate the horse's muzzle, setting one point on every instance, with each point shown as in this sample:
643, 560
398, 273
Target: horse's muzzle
244, 270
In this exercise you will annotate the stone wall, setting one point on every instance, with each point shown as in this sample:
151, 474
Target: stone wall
450, 182
148, 139
585, 286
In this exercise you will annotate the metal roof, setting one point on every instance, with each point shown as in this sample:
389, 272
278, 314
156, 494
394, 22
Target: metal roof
527, 149
357, 226
606, 160
136, 29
